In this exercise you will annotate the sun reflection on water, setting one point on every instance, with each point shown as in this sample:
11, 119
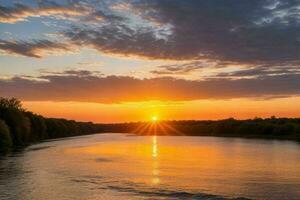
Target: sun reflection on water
180, 163
154, 146
155, 165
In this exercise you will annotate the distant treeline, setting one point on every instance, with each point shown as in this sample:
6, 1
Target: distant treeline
273, 128
19, 127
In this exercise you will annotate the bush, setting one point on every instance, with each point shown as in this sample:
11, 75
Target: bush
18, 123
5, 138
37, 127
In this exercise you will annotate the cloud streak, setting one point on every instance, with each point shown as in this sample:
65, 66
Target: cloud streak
88, 87
36, 49
183, 69
21, 12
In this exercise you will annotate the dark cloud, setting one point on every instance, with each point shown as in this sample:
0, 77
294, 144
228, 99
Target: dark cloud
262, 71
113, 89
37, 48
100, 16
231, 30
117, 38
71, 72
258, 31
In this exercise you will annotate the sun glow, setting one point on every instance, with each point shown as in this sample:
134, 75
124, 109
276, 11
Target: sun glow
154, 118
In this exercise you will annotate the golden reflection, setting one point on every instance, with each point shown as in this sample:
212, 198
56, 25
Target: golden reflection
155, 165
196, 162
155, 180
154, 146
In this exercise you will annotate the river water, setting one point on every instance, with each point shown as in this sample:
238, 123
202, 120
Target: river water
122, 167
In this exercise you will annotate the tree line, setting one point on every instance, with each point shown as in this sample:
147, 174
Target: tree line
19, 127
272, 128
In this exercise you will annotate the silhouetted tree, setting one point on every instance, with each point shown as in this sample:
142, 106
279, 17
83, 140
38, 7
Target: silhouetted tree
5, 138
38, 127
19, 127
12, 113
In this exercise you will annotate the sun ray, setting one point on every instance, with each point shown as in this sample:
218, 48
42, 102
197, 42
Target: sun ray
172, 129
164, 131
150, 132
141, 128
144, 128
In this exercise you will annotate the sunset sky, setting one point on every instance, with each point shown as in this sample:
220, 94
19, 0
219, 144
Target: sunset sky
129, 60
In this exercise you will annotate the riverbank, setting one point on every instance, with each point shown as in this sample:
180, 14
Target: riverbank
19, 127
268, 128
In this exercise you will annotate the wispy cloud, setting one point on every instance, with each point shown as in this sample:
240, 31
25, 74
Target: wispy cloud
262, 71
36, 49
183, 68
21, 12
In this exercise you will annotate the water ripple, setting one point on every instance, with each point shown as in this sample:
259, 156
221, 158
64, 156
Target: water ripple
171, 194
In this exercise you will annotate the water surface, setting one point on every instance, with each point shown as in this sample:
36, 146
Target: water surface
118, 166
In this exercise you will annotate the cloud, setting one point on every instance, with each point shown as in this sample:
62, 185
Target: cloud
262, 71
260, 32
70, 72
21, 12
99, 16
36, 49
119, 39
182, 69
89, 87
79, 11
253, 32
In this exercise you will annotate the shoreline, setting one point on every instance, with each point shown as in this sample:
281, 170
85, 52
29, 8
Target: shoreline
21, 148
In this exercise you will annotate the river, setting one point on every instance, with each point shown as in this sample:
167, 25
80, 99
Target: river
125, 167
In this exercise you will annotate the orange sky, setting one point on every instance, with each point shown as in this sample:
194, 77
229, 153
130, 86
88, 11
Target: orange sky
143, 111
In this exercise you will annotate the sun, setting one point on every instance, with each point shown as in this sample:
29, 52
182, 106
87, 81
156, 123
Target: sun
154, 118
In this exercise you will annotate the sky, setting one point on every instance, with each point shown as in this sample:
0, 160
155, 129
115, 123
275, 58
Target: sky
129, 60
